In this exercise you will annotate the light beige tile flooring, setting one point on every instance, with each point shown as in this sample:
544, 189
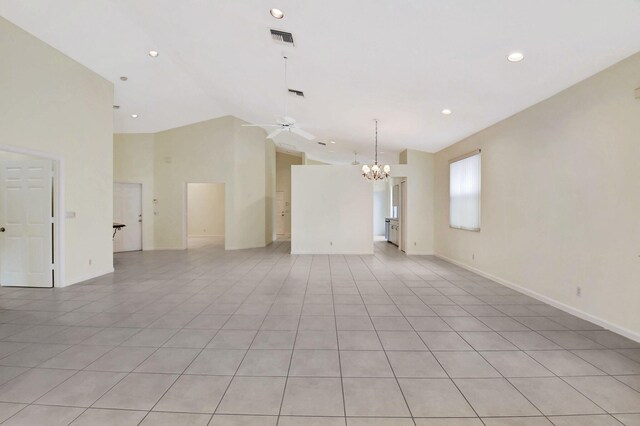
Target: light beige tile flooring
261, 337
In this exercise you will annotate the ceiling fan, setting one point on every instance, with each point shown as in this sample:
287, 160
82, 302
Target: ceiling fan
284, 123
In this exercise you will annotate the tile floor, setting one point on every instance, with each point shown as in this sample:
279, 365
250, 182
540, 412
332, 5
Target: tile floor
260, 337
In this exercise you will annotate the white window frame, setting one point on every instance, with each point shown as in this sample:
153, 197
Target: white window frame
479, 191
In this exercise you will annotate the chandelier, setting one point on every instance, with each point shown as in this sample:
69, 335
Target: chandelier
375, 172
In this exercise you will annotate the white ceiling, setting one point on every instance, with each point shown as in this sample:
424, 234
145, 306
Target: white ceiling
401, 61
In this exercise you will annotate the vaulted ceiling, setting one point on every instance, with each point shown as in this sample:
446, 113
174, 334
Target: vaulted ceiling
401, 61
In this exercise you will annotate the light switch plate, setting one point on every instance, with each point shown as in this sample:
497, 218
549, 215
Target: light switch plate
70, 215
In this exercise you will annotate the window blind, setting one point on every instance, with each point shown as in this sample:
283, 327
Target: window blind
464, 192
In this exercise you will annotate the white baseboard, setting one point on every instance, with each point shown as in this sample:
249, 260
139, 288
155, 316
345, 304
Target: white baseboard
349, 253
86, 277
630, 334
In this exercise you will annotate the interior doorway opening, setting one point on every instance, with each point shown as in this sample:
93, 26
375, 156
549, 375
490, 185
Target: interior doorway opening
390, 211
284, 160
381, 209
30, 211
205, 215
127, 210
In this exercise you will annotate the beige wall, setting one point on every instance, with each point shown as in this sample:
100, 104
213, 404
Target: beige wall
311, 162
205, 209
419, 172
283, 183
560, 200
335, 204
332, 212
213, 151
270, 192
133, 162
51, 104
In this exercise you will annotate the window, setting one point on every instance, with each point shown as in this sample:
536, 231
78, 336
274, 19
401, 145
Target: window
464, 192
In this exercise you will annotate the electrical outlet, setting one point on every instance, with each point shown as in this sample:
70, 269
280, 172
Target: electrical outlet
90, 261
473, 256
330, 243
415, 243
578, 291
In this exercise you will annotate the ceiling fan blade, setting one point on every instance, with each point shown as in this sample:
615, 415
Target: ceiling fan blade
275, 133
260, 125
302, 133
285, 121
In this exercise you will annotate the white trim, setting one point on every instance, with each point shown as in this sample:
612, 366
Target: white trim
419, 253
58, 201
356, 253
630, 334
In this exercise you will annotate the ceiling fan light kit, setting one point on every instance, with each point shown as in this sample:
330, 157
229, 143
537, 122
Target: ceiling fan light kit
375, 171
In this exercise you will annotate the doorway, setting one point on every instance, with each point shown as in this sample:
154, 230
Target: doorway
29, 225
127, 210
381, 210
396, 221
205, 215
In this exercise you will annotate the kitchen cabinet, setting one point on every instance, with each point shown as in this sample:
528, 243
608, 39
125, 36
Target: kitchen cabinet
394, 231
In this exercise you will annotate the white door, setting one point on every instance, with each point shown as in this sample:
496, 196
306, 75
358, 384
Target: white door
26, 223
281, 212
127, 209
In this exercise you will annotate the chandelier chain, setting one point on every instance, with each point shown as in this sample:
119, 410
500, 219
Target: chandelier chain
375, 172
376, 158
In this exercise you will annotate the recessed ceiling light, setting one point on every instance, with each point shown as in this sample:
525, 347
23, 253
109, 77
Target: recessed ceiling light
277, 13
153, 53
333, 141
515, 57
446, 111
134, 115
124, 78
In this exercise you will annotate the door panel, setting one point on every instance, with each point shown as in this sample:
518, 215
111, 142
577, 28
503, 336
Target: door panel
127, 209
25, 214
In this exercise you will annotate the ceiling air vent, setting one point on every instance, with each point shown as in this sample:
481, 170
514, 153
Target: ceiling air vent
297, 92
282, 37
322, 143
